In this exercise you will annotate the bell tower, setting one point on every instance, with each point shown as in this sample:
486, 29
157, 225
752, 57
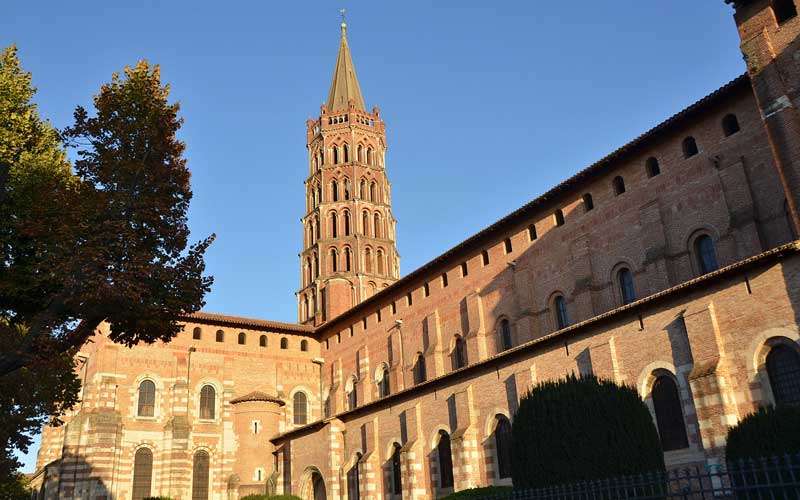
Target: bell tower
349, 250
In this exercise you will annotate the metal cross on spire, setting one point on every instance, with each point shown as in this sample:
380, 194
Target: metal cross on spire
344, 25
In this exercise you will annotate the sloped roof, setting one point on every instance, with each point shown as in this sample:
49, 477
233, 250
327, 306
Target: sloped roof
257, 396
257, 324
345, 83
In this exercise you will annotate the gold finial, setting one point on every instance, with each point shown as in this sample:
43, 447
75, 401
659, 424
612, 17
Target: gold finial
342, 12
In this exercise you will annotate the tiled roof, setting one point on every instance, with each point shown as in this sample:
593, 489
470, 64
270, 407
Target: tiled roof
257, 396
258, 324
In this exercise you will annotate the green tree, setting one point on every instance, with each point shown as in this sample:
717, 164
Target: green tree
103, 241
577, 429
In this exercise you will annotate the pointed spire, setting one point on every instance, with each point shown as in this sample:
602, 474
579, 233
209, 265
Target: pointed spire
345, 84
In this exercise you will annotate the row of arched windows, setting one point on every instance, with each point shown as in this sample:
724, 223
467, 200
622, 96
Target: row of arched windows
341, 190
340, 224
782, 366
337, 154
372, 263
143, 474
241, 339
705, 257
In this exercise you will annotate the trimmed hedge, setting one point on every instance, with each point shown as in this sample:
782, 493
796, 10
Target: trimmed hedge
576, 429
762, 439
768, 432
486, 492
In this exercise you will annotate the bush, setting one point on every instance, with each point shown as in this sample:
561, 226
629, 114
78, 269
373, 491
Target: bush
576, 429
762, 439
486, 492
767, 432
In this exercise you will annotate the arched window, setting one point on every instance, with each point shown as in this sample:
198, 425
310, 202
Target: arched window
300, 408
353, 489
505, 334
322, 156
362, 189
369, 156
200, 475
365, 223
588, 202
336, 155
689, 147
347, 258
334, 190
284, 343
502, 442
368, 260
352, 395
619, 185
783, 370
397, 478
316, 226
315, 260
459, 353
669, 416
625, 278
558, 215
560, 305
220, 336
346, 223
383, 385
419, 370
262, 340
197, 333
373, 192
376, 223
346, 153
309, 268
147, 399
305, 308
208, 402
242, 338
379, 257
730, 125
445, 456
346, 184
651, 167
706, 255
142, 473
334, 260
304, 345
334, 225
360, 154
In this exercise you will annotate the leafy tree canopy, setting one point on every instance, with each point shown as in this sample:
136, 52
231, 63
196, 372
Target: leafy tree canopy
103, 240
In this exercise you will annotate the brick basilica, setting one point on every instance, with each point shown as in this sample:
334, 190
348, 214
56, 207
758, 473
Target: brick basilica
671, 265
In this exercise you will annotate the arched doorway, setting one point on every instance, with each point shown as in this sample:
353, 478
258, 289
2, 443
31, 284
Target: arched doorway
312, 485
318, 486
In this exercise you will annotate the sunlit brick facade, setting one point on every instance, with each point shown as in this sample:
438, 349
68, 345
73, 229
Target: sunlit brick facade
670, 265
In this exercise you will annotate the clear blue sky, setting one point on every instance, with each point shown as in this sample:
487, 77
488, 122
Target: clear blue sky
487, 104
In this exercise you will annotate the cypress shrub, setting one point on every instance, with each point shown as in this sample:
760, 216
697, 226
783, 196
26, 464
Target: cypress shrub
762, 440
577, 429
768, 432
